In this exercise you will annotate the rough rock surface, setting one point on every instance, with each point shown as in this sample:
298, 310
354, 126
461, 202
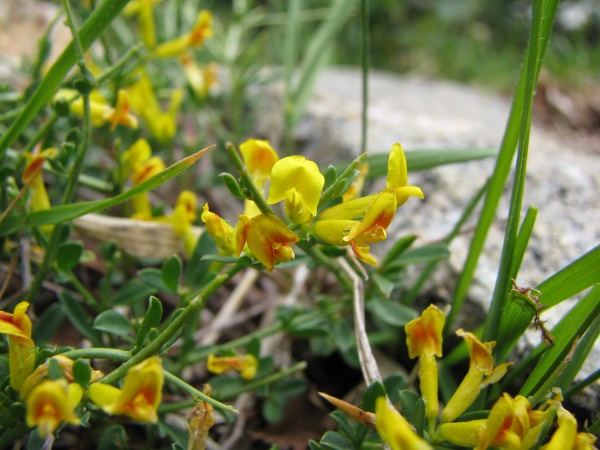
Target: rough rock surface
562, 181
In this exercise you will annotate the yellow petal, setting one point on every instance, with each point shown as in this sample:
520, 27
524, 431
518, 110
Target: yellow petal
299, 174
223, 233
49, 405
333, 231
104, 396
463, 434
378, 216
259, 157
424, 334
267, 238
395, 430
397, 174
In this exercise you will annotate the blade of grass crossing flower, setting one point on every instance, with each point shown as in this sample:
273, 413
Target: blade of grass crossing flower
101, 18
573, 325
572, 279
68, 212
424, 159
584, 347
507, 151
317, 54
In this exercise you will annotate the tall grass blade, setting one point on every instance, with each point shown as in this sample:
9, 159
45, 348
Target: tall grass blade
571, 327
505, 156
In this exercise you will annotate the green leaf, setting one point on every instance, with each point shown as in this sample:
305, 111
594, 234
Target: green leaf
343, 335
273, 407
425, 159
98, 21
335, 441
132, 292
79, 318
571, 280
153, 277
82, 372
197, 268
113, 322
48, 323
232, 185
391, 312
408, 400
573, 324
55, 372
427, 253
151, 320
522, 241
170, 273
68, 255
114, 438
65, 213
384, 285
370, 396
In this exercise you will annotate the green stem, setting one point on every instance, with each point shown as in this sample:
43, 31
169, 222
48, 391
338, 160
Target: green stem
196, 393
79, 287
41, 133
173, 327
331, 190
318, 257
365, 72
255, 195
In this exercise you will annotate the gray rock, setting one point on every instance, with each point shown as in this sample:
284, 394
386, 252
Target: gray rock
563, 180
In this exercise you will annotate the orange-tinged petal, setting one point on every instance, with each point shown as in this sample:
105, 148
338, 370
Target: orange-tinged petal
223, 233
363, 252
498, 423
265, 236
378, 216
479, 352
51, 403
246, 365
259, 157
141, 393
424, 334
300, 175
202, 29
147, 170
134, 156
120, 115
189, 202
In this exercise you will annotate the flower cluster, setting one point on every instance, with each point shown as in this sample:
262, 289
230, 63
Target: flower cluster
51, 401
512, 423
298, 182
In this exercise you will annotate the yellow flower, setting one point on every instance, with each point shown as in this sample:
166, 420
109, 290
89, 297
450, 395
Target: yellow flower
200, 79
134, 156
202, 30
299, 182
480, 374
363, 221
34, 179
51, 403
395, 430
41, 372
21, 354
268, 238
223, 233
144, 11
140, 396
424, 340
566, 437
140, 204
199, 422
161, 124
259, 158
100, 110
463, 434
246, 365
182, 218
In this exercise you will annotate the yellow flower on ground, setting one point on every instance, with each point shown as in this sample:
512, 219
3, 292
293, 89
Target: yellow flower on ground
161, 124
246, 365
41, 372
299, 182
202, 30
51, 403
395, 430
21, 353
200, 79
268, 238
220, 230
424, 341
481, 373
182, 218
34, 179
101, 111
140, 396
